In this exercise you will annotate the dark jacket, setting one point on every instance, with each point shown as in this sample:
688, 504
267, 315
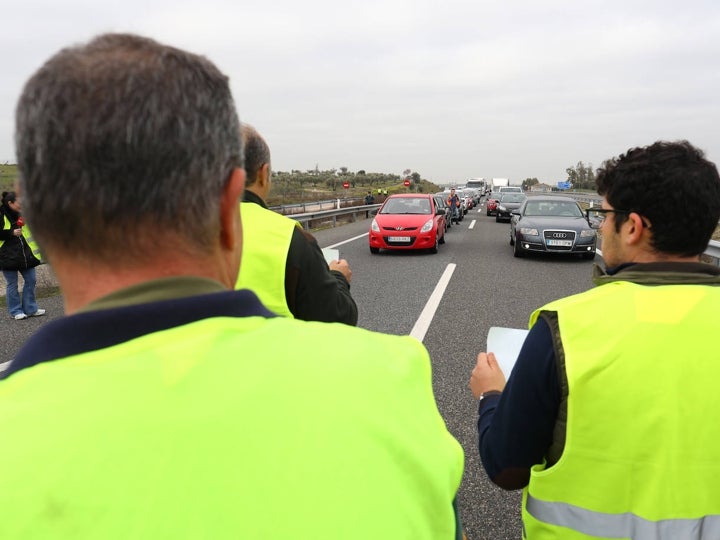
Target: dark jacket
15, 253
313, 291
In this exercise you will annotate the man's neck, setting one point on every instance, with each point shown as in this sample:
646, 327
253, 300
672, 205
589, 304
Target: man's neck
82, 283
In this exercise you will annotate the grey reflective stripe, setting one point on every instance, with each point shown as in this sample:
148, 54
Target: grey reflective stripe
625, 525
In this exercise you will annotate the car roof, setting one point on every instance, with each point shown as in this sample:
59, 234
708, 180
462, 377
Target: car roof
551, 198
410, 195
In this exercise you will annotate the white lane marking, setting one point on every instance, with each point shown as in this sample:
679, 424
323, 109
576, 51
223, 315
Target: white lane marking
349, 240
472, 224
480, 210
428, 312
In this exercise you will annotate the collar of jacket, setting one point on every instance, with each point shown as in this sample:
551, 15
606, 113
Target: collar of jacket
94, 330
249, 196
660, 273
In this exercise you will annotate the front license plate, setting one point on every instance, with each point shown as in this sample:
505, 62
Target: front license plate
398, 239
560, 243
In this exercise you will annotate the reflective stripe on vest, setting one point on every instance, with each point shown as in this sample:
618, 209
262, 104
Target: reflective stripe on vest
31, 243
266, 241
6, 225
642, 448
627, 525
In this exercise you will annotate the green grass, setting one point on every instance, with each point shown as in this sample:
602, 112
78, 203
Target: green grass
8, 174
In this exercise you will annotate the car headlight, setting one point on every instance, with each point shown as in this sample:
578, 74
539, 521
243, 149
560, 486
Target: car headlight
428, 225
374, 226
501, 207
528, 232
587, 233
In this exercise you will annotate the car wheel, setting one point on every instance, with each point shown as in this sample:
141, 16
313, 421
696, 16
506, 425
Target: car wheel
497, 219
442, 239
517, 250
434, 249
374, 251
488, 213
512, 238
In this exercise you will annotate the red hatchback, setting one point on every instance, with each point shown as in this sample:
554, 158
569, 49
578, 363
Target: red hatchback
408, 221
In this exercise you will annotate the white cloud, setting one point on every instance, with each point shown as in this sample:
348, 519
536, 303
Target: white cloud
450, 88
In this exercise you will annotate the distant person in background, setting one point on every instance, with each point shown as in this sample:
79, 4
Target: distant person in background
610, 419
282, 263
369, 198
453, 202
19, 254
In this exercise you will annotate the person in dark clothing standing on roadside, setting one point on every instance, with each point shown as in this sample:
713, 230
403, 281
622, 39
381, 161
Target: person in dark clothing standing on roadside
18, 254
282, 263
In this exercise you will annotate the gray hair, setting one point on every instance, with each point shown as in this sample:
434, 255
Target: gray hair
122, 138
257, 153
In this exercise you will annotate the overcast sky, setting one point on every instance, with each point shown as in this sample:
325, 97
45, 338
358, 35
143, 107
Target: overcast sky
451, 89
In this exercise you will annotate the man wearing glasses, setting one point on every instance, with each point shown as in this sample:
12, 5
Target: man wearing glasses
610, 420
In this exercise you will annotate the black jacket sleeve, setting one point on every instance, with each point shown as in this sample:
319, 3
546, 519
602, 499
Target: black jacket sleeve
516, 428
312, 290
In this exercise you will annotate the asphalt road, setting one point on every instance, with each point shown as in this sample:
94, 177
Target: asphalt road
488, 287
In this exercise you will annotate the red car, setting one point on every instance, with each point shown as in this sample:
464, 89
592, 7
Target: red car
491, 203
408, 221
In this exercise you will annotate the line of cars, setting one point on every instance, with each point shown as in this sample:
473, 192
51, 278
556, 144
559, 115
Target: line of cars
417, 221
538, 224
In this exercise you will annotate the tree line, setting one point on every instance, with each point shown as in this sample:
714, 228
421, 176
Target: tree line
580, 176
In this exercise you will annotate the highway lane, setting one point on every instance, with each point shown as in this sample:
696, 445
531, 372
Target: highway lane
488, 287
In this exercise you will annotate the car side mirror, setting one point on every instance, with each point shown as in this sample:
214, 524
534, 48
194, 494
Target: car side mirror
440, 212
374, 212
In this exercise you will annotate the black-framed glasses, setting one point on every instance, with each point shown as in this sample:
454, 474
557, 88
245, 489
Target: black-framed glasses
596, 216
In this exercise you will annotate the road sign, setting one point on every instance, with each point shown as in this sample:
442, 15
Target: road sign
564, 185
346, 185
406, 182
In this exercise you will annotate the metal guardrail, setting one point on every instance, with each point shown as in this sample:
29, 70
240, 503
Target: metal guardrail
331, 216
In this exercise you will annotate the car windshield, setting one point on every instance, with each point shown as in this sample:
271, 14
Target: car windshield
512, 197
552, 208
406, 205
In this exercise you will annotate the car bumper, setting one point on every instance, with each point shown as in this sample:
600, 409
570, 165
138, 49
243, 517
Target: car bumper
418, 241
537, 245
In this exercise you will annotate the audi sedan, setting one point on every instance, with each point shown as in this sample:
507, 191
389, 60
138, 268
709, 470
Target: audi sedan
551, 224
408, 221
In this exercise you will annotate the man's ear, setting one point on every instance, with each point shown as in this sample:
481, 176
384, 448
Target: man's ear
230, 208
263, 178
634, 227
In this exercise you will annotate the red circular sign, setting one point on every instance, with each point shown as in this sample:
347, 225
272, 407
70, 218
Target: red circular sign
346, 185
406, 182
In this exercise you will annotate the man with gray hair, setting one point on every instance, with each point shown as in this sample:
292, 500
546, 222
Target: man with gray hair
166, 404
283, 264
